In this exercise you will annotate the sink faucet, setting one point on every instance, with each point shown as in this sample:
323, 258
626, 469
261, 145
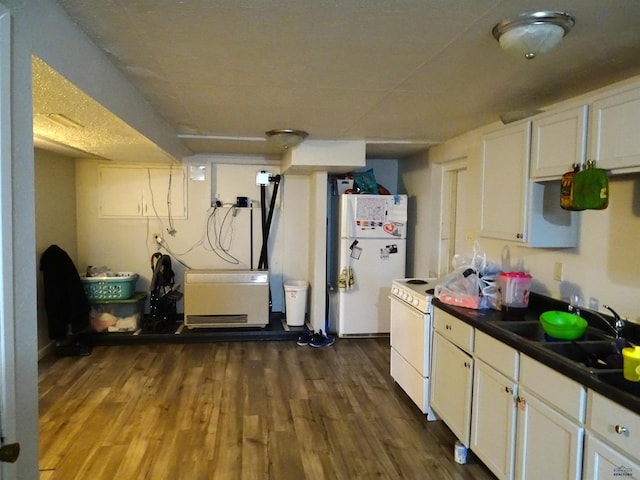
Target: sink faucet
617, 326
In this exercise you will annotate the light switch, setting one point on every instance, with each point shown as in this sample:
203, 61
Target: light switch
557, 271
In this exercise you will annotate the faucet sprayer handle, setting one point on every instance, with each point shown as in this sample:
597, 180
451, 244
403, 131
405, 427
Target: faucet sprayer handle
615, 314
619, 323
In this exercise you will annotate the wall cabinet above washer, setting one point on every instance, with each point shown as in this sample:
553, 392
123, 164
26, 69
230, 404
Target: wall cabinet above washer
135, 192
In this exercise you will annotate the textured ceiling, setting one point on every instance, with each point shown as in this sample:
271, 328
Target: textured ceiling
401, 75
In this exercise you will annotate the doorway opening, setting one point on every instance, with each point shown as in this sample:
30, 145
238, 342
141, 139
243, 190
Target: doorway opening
453, 212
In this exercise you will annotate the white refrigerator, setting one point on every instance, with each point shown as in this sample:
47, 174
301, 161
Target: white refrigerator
371, 253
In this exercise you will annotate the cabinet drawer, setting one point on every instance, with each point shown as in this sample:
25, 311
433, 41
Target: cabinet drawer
605, 417
556, 389
493, 352
453, 329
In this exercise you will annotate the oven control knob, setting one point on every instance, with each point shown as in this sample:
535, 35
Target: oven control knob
410, 298
394, 290
415, 302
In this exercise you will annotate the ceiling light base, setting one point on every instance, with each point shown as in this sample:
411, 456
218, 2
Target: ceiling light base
286, 137
531, 34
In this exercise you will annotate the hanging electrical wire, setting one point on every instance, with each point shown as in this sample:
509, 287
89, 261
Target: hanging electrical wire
171, 230
153, 202
216, 245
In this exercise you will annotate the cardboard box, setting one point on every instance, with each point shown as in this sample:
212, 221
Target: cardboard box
118, 315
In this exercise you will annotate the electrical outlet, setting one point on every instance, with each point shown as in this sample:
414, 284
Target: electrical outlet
557, 271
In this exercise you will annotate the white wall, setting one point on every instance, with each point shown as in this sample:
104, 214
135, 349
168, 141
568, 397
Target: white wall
55, 188
385, 171
604, 268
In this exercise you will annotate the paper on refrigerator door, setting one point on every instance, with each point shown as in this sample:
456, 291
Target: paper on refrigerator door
397, 210
386, 214
371, 211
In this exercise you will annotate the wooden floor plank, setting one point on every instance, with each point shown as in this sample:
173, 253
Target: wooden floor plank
238, 410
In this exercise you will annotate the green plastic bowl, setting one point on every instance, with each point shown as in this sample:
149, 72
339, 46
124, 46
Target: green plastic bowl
563, 325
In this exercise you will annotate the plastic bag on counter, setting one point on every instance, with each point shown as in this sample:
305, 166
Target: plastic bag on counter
473, 283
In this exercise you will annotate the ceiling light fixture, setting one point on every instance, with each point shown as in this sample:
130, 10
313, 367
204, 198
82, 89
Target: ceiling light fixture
286, 137
530, 34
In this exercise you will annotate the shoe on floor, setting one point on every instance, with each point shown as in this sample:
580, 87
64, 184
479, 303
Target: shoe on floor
321, 340
305, 338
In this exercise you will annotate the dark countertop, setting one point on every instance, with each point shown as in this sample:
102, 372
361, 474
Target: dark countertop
609, 383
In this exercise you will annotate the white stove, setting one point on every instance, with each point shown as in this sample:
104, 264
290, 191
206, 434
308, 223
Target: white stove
416, 292
411, 337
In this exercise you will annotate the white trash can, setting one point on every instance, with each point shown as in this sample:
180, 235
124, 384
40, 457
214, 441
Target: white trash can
295, 292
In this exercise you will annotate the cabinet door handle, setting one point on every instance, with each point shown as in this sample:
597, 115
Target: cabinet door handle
508, 389
620, 430
467, 364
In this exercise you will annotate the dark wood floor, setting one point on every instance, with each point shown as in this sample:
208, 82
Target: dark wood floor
237, 410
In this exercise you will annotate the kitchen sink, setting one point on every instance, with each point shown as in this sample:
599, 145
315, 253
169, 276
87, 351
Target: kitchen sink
532, 330
617, 380
597, 355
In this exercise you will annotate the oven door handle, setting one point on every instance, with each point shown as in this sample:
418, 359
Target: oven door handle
413, 311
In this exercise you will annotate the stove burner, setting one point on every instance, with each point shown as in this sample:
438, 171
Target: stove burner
417, 281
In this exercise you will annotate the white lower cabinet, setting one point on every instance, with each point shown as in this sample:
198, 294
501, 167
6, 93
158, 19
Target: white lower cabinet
551, 412
523, 419
494, 420
612, 447
603, 462
451, 380
549, 445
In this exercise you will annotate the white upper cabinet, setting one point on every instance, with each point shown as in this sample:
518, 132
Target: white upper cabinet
514, 207
615, 130
134, 192
559, 140
505, 166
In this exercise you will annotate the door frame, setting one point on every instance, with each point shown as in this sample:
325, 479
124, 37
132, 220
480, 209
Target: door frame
448, 217
8, 426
